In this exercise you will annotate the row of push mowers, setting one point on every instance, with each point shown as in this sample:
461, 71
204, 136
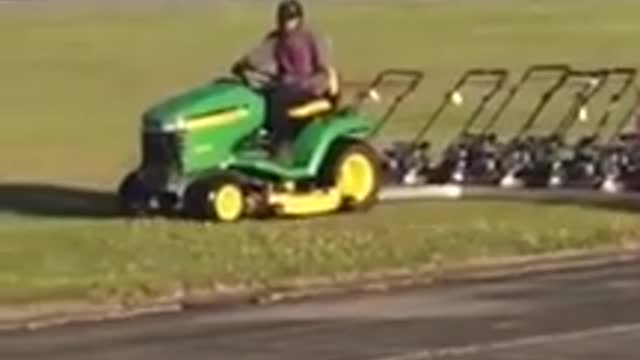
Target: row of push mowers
607, 157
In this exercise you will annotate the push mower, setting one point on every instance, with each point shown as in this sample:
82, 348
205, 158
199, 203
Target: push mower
620, 156
475, 157
410, 162
462, 162
581, 165
527, 159
203, 155
547, 152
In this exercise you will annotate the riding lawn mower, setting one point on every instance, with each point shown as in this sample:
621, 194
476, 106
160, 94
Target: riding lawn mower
203, 154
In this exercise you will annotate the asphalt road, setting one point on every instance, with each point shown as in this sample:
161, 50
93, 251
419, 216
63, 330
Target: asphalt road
582, 315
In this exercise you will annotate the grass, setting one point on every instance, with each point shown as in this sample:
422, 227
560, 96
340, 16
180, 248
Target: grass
115, 260
75, 81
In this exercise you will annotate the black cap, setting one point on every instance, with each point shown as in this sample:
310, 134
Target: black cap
289, 9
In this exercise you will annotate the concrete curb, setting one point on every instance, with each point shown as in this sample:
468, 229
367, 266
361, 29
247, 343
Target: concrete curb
456, 192
378, 282
508, 268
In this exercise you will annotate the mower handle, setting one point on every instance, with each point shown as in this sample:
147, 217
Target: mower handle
630, 75
561, 69
544, 68
498, 77
590, 74
414, 79
414, 76
582, 97
467, 77
627, 117
544, 99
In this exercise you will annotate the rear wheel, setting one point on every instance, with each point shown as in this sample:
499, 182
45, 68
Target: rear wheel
220, 199
354, 169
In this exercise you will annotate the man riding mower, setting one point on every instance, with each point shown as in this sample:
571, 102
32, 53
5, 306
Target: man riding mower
203, 154
300, 79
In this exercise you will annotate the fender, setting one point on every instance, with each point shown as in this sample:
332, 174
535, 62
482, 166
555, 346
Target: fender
314, 143
310, 148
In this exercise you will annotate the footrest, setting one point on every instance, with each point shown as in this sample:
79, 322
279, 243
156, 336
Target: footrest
271, 167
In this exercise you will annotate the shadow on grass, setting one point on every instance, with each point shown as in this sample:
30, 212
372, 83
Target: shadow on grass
49, 200
57, 201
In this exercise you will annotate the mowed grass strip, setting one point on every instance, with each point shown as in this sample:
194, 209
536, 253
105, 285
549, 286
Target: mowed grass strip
118, 260
75, 82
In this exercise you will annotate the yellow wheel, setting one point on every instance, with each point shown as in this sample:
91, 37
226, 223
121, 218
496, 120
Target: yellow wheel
356, 177
354, 170
227, 202
221, 198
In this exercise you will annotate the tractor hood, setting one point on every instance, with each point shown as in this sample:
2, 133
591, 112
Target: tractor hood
223, 100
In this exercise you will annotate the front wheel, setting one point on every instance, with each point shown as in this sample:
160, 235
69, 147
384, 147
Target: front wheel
221, 199
354, 169
133, 196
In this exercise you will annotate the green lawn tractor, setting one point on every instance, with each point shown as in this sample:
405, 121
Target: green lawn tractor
204, 155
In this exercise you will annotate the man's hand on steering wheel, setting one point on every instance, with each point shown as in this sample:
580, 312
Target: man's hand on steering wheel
251, 76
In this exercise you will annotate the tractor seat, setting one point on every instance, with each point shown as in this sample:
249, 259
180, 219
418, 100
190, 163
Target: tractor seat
311, 109
322, 105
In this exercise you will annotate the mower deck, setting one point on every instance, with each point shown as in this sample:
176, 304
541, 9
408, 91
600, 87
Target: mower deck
305, 204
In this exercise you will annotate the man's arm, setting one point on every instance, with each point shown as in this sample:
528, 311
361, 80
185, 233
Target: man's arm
259, 59
323, 80
323, 56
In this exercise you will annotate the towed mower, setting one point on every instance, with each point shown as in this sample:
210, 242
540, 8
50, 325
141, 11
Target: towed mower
485, 148
620, 155
545, 153
474, 157
581, 164
527, 159
410, 162
203, 155
462, 160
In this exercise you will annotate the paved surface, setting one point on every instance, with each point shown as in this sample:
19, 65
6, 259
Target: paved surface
582, 315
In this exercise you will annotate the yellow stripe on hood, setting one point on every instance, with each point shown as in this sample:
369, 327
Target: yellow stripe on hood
223, 118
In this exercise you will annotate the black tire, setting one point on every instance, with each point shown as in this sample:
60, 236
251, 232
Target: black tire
200, 197
330, 171
133, 197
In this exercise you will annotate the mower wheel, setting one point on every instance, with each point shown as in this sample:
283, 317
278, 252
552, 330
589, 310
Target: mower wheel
133, 196
355, 169
221, 198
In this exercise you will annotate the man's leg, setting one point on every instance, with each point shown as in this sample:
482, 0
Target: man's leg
284, 129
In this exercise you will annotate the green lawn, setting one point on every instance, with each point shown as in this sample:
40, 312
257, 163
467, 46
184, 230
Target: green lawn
74, 85
113, 258
75, 82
